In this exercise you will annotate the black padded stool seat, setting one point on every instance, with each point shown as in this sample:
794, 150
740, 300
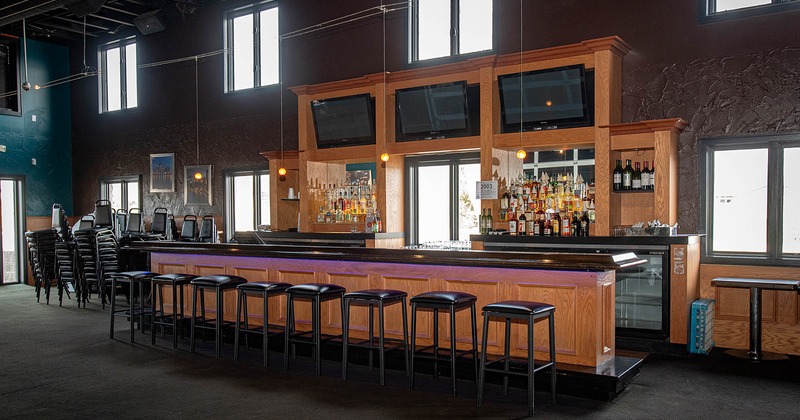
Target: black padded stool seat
452, 302
219, 283
262, 289
135, 279
176, 282
372, 298
529, 312
317, 293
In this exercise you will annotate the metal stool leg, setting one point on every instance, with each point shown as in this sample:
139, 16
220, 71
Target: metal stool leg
405, 334
453, 348
413, 342
482, 372
194, 317
218, 329
237, 328
288, 330
552, 326
265, 329
506, 354
531, 366
113, 307
381, 349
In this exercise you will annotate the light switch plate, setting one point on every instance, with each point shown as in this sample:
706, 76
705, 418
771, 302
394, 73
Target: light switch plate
2, 148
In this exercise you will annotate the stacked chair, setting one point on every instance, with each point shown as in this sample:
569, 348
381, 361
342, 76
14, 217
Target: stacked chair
41, 254
189, 228
159, 228
86, 259
120, 223
107, 263
208, 230
65, 269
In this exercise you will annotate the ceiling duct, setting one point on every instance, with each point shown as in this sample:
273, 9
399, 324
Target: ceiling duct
85, 7
26, 9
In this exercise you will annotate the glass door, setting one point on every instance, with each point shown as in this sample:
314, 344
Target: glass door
642, 297
11, 249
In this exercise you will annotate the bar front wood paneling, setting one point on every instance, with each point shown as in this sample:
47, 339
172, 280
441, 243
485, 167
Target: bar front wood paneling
584, 301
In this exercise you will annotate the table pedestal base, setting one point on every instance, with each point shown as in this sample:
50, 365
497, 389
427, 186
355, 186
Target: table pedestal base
756, 357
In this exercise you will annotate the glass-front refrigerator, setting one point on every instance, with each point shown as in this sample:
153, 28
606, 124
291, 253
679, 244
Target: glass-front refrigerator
642, 295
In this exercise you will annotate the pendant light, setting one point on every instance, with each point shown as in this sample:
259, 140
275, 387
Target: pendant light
521, 154
26, 84
384, 155
198, 175
282, 168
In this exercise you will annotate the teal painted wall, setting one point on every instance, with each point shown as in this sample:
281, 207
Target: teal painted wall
48, 139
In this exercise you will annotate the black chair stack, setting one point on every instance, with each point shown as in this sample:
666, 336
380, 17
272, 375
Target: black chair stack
135, 280
108, 262
65, 270
42, 255
316, 293
208, 229
120, 223
218, 283
103, 214
380, 299
528, 312
159, 317
86, 264
451, 302
264, 290
189, 228
158, 228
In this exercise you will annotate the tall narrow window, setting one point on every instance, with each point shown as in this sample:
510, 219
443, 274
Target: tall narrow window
443, 28
123, 192
441, 197
118, 86
719, 10
246, 200
252, 40
750, 196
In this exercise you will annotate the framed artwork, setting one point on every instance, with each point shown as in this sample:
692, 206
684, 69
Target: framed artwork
162, 172
197, 185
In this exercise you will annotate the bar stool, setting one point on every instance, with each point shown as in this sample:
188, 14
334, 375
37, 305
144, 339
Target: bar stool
317, 293
219, 283
265, 290
158, 317
136, 280
529, 312
448, 301
372, 298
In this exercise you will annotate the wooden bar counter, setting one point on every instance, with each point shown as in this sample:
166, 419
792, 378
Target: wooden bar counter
581, 286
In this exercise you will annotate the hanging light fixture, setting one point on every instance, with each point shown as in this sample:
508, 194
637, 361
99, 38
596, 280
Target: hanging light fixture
198, 175
521, 153
282, 168
26, 84
384, 155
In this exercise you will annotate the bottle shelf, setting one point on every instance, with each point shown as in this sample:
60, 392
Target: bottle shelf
632, 191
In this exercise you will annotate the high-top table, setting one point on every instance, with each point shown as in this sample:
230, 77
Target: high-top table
755, 286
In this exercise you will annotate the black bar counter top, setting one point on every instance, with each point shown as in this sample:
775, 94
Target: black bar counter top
506, 259
297, 238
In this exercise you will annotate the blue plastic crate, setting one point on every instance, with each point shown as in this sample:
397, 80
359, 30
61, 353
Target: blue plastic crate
701, 326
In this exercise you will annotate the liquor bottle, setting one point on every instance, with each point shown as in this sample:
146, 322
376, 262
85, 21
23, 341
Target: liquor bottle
503, 215
512, 223
548, 228
482, 222
537, 225
378, 223
521, 226
590, 191
585, 224
504, 200
653, 176
556, 224
645, 177
566, 225
636, 181
489, 221
627, 176
618, 176
576, 225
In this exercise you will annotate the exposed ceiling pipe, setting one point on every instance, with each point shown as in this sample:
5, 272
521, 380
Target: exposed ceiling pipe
35, 7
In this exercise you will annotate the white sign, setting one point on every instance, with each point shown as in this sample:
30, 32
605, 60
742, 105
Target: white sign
486, 190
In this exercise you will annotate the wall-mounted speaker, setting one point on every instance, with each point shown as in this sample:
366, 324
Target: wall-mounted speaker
150, 22
85, 7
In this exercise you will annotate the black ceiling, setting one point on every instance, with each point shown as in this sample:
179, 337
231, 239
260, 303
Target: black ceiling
65, 19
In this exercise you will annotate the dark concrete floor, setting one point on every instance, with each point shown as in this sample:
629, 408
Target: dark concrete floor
58, 362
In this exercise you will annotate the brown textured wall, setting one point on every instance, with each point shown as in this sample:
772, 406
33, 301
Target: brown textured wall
755, 93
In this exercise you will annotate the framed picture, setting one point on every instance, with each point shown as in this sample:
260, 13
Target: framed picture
197, 187
162, 172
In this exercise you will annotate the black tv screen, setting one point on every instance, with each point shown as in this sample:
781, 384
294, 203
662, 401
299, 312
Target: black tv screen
545, 99
344, 121
433, 111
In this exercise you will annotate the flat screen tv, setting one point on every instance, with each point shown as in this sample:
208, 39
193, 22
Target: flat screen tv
344, 121
432, 112
546, 99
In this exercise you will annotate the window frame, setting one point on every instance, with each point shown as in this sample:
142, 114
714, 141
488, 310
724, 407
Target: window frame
708, 13
535, 168
412, 165
125, 180
230, 205
252, 9
103, 79
455, 37
775, 144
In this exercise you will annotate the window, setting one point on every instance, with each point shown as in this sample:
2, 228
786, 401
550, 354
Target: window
719, 10
246, 200
123, 192
118, 75
441, 197
570, 161
750, 214
252, 40
469, 29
